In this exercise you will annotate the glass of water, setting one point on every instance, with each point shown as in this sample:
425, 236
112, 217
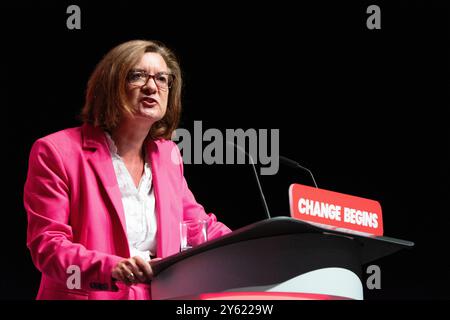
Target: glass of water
192, 233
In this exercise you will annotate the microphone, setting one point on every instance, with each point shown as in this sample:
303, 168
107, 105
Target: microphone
261, 193
291, 163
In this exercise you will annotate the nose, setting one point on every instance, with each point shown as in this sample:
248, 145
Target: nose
150, 85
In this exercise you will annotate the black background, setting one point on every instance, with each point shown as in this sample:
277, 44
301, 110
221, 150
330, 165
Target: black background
365, 110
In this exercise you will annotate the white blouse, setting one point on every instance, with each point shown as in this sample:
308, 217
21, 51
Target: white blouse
138, 205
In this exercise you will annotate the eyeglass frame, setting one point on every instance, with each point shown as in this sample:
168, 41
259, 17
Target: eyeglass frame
171, 78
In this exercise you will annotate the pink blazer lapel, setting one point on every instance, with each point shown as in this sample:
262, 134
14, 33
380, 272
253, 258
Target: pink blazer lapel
167, 236
99, 158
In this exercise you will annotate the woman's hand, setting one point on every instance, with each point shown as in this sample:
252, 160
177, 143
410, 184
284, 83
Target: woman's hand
133, 270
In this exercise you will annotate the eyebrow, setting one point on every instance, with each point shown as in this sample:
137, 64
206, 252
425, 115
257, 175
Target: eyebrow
142, 70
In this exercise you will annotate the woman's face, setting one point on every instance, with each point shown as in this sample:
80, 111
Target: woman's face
149, 100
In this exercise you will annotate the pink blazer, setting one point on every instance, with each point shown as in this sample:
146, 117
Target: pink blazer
76, 217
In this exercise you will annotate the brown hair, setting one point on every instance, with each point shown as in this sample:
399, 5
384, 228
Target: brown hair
106, 99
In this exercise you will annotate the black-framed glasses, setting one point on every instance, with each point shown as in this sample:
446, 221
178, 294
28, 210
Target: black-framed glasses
163, 80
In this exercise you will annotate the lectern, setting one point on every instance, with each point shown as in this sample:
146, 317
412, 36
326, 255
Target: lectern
278, 255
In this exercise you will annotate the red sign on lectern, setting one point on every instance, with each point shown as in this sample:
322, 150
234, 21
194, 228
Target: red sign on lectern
336, 211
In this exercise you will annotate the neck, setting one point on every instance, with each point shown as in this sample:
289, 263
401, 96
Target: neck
129, 137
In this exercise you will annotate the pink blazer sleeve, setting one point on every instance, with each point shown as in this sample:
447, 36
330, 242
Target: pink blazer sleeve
49, 234
193, 210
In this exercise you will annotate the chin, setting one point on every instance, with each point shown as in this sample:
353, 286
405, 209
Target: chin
152, 117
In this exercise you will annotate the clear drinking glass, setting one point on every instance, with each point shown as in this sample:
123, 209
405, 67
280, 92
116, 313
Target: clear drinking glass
193, 233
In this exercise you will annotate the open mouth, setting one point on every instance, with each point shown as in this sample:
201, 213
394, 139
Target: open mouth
149, 102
